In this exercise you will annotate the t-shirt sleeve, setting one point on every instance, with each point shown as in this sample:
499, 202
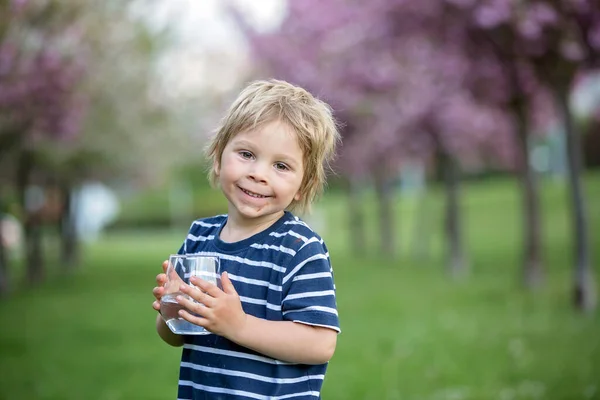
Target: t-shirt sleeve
309, 289
183, 248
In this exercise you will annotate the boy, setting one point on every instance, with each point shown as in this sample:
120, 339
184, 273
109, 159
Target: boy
275, 321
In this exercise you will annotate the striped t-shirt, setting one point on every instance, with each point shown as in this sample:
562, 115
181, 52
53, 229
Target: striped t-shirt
280, 274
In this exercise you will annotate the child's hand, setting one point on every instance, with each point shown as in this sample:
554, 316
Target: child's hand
221, 310
159, 290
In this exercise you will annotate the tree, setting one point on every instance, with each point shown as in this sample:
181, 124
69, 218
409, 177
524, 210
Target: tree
570, 33
546, 43
53, 56
38, 99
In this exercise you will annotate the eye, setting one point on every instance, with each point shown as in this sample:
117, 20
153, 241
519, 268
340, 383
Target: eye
246, 154
281, 166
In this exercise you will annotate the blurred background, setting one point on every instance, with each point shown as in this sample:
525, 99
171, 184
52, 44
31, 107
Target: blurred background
462, 213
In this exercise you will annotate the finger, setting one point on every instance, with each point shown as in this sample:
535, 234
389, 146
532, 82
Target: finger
227, 284
173, 275
198, 295
203, 322
172, 272
161, 279
158, 292
156, 305
206, 286
192, 306
165, 265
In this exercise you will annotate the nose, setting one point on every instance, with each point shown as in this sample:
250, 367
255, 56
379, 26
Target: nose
258, 172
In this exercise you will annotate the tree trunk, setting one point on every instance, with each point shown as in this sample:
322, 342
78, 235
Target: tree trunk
34, 267
532, 262
456, 261
4, 276
421, 234
385, 198
69, 243
33, 251
584, 296
8, 140
356, 217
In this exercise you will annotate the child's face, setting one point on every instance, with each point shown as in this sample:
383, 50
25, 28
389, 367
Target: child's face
261, 171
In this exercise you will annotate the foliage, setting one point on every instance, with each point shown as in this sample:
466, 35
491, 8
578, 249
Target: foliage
394, 70
41, 67
57, 60
392, 81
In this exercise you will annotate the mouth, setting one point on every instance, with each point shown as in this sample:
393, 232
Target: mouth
252, 194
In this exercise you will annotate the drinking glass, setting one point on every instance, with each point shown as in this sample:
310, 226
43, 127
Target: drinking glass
181, 268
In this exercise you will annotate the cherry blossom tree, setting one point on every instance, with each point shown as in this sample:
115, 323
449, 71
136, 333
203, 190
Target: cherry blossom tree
39, 102
543, 43
54, 57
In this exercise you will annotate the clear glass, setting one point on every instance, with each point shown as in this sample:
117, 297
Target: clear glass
180, 269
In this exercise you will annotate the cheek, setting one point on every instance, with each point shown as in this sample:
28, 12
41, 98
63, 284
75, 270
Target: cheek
231, 168
298, 186
294, 186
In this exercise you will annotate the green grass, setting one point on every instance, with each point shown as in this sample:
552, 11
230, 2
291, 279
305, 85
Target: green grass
407, 331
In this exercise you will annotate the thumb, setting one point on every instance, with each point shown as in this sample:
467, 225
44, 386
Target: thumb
227, 284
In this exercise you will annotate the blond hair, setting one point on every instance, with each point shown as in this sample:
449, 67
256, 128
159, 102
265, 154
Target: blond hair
311, 119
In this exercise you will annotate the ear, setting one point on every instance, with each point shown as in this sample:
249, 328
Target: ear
298, 196
217, 167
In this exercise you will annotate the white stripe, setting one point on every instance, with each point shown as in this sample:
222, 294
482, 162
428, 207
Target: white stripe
200, 238
255, 282
277, 234
314, 308
296, 222
311, 240
277, 248
310, 294
231, 353
297, 267
289, 396
313, 276
205, 275
213, 389
250, 300
241, 260
299, 236
249, 375
335, 328
202, 223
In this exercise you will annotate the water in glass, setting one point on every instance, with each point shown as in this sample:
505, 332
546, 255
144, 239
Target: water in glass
180, 269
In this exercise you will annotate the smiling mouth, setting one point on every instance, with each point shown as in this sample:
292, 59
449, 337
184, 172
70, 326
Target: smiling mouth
252, 194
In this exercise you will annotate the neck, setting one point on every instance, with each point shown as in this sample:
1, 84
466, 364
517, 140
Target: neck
237, 229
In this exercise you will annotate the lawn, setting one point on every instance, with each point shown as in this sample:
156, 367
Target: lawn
408, 332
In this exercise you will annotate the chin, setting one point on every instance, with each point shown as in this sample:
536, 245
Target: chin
258, 213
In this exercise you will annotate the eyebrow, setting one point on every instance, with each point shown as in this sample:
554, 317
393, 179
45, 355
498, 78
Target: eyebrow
243, 143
